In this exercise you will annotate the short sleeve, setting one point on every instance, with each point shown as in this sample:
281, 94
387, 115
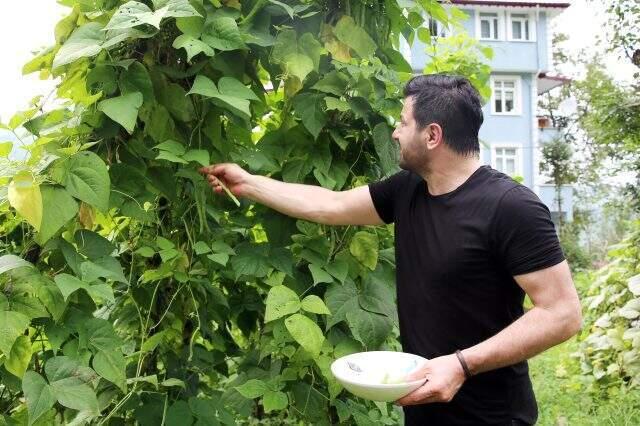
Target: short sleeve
384, 194
524, 236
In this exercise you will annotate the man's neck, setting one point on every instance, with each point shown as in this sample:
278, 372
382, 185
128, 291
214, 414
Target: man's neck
447, 174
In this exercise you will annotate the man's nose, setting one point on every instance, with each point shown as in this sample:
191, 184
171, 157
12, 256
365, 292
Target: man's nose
394, 135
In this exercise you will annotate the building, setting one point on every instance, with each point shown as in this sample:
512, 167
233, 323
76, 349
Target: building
512, 134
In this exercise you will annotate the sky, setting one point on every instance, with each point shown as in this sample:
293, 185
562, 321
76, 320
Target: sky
27, 26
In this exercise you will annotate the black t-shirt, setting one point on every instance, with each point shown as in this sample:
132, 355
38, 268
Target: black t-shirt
456, 255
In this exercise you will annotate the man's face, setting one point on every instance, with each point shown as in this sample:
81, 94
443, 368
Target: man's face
413, 152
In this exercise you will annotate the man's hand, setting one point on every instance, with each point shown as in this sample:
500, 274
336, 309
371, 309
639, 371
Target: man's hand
444, 376
231, 175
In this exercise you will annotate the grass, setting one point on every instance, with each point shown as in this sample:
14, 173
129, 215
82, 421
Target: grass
562, 399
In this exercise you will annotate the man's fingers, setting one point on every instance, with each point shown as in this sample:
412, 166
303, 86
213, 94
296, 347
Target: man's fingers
417, 396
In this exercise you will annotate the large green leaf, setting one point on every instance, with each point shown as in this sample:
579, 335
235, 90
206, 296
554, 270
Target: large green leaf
314, 304
85, 41
192, 46
236, 102
305, 332
341, 299
364, 247
92, 245
274, 401
123, 109
251, 261
87, 179
12, 325
232, 87
11, 261
20, 356
309, 107
252, 388
136, 79
59, 208
319, 275
39, 395
111, 365
68, 284
281, 301
369, 328
134, 13
354, 36
386, 148
222, 33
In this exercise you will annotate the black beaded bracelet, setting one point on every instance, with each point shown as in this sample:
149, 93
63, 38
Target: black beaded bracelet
465, 368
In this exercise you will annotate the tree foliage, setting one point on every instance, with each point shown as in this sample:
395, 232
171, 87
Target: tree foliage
130, 293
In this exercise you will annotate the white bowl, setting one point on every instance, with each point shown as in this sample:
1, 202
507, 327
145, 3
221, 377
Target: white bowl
374, 365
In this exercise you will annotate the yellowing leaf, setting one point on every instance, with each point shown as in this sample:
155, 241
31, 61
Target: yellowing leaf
24, 196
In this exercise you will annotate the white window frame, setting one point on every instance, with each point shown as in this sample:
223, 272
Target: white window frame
517, 98
519, 171
532, 26
500, 17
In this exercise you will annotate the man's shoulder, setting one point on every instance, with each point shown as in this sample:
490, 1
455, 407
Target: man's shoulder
499, 186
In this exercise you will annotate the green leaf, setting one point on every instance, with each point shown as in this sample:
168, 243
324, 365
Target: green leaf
274, 400
314, 304
192, 46
203, 86
145, 251
354, 36
319, 275
309, 108
92, 245
341, 299
11, 261
132, 14
305, 332
281, 301
251, 260
222, 33
74, 394
111, 365
364, 247
164, 243
123, 109
298, 64
369, 328
201, 247
68, 284
136, 79
336, 104
221, 258
232, 87
334, 83
87, 179
179, 414
101, 292
24, 195
12, 325
386, 148
339, 269
86, 41
200, 156
59, 208
173, 382
105, 267
39, 395
20, 356
253, 388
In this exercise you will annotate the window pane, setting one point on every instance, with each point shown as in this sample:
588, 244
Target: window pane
485, 29
509, 84
510, 151
508, 101
511, 166
499, 152
516, 30
526, 30
498, 105
495, 28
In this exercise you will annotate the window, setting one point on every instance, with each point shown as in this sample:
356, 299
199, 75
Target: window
521, 27
489, 26
436, 29
506, 95
507, 159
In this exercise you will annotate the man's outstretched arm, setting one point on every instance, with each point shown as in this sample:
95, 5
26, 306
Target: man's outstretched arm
308, 202
555, 317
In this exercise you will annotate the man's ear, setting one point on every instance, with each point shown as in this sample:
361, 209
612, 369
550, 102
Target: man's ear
433, 135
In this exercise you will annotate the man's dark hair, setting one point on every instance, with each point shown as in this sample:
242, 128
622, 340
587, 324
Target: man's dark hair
453, 103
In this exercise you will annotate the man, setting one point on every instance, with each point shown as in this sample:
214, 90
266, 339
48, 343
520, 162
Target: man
470, 242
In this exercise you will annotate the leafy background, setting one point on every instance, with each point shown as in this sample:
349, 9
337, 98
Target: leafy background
129, 292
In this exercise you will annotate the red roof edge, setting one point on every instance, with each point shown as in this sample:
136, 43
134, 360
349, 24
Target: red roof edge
511, 3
